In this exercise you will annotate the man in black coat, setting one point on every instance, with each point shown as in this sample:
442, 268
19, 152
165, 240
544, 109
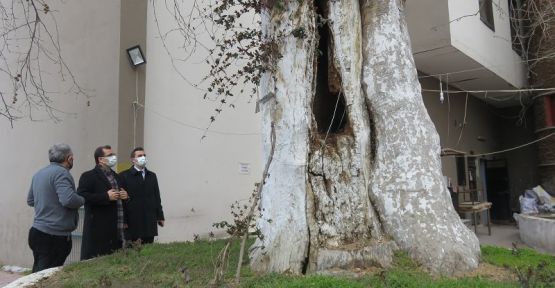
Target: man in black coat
102, 188
144, 207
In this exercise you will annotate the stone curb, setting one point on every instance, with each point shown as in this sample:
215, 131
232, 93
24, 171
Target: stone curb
32, 279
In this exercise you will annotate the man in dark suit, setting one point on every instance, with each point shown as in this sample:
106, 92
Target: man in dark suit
102, 188
145, 207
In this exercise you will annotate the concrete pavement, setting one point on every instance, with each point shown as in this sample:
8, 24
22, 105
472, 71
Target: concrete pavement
6, 278
501, 235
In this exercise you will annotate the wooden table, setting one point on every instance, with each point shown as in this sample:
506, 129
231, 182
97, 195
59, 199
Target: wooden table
475, 208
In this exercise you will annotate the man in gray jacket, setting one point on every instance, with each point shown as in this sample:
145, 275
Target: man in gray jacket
56, 202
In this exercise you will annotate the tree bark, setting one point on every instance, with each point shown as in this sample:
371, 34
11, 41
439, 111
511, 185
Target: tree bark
356, 171
407, 185
284, 247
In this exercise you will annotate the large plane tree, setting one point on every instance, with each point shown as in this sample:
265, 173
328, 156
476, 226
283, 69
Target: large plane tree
356, 172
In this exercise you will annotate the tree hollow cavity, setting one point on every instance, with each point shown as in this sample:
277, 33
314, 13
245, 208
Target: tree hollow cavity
328, 107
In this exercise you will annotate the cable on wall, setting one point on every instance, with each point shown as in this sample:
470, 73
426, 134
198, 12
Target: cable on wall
513, 148
491, 91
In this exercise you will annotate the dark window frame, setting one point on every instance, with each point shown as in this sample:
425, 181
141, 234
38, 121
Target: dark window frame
515, 20
486, 13
549, 106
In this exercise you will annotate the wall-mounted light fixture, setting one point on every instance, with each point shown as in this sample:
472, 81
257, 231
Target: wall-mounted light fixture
136, 57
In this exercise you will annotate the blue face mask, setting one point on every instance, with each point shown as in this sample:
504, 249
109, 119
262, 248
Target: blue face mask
141, 161
111, 161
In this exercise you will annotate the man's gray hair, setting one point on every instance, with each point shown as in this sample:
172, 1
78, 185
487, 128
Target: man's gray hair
59, 152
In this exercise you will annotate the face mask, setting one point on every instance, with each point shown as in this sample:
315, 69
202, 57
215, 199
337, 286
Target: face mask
141, 161
111, 161
69, 163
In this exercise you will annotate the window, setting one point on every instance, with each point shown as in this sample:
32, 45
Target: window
486, 13
517, 32
549, 105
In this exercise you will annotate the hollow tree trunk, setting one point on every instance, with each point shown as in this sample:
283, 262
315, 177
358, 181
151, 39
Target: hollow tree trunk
356, 171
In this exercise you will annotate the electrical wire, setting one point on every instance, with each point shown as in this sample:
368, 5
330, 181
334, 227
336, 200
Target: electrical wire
135, 108
514, 148
333, 117
464, 120
491, 91
448, 92
181, 123
448, 115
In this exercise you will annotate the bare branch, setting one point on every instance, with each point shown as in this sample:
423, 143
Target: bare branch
229, 34
29, 48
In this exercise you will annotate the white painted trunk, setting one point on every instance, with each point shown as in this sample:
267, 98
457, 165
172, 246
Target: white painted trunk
407, 184
284, 224
348, 194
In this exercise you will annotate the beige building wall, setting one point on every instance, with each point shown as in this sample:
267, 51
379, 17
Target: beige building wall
491, 48
131, 81
487, 129
90, 36
200, 178
431, 32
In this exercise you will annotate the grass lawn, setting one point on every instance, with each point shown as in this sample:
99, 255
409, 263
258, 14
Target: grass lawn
159, 265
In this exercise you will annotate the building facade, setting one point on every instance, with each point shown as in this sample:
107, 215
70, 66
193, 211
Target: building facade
470, 47
204, 168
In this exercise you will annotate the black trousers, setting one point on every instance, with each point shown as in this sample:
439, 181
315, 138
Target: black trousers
144, 240
48, 250
147, 240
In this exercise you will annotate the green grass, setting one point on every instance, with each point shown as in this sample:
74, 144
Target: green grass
522, 259
159, 265
532, 268
156, 265
388, 279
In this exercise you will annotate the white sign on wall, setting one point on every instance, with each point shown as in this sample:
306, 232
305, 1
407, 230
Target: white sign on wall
244, 168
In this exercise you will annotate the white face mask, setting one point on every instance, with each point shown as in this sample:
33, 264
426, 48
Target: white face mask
141, 161
111, 161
